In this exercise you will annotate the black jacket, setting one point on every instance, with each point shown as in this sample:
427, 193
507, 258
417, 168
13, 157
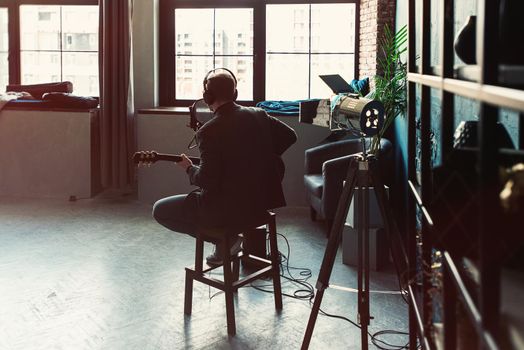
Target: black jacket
240, 173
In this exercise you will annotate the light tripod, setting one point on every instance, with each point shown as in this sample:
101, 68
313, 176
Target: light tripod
362, 174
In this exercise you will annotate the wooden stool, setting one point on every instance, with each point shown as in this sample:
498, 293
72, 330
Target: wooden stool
231, 282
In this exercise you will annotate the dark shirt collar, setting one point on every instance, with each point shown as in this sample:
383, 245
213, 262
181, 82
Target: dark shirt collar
225, 108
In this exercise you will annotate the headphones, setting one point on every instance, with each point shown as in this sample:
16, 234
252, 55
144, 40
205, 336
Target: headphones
208, 95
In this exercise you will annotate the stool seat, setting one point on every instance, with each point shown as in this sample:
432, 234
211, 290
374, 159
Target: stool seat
218, 232
231, 266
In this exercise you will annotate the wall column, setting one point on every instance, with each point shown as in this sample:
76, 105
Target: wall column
374, 15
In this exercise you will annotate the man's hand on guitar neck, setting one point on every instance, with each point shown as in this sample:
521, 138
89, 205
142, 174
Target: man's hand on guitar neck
185, 163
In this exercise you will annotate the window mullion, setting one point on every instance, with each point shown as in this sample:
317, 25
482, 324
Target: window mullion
14, 44
259, 52
309, 56
60, 46
214, 35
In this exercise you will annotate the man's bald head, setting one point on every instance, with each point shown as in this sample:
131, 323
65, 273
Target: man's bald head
222, 85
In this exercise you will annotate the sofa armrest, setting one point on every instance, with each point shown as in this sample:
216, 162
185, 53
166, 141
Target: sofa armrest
334, 172
316, 156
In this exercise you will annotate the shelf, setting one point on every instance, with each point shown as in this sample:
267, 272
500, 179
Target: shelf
507, 156
494, 87
495, 95
512, 309
415, 191
420, 326
509, 75
468, 302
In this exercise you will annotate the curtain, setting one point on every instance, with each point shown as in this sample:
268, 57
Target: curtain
117, 123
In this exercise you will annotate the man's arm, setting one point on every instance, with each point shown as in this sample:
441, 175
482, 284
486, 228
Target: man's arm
282, 135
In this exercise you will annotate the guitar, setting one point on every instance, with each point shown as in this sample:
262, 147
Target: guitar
150, 157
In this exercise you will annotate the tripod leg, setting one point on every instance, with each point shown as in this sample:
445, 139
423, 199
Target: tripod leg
331, 249
312, 319
363, 254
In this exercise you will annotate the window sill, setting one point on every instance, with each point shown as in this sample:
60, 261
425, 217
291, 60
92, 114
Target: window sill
48, 109
185, 111
164, 110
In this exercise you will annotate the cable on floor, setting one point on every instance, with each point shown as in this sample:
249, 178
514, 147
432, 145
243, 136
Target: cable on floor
306, 291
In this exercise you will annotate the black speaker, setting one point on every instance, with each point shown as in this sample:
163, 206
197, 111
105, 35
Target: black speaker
254, 244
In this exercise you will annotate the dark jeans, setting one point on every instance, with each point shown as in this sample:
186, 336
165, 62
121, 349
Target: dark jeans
178, 213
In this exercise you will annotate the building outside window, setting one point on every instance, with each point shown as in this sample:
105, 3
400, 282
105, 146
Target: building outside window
69, 36
300, 42
220, 40
304, 41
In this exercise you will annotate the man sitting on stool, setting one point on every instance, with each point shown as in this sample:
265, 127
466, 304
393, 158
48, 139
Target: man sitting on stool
240, 169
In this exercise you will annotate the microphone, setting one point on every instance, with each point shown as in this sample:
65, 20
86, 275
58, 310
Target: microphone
199, 114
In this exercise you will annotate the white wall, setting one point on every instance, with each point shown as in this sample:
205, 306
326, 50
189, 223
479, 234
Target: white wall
46, 153
165, 134
145, 52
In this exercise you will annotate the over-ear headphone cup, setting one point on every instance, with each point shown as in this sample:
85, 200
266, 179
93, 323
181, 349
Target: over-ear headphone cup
235, 95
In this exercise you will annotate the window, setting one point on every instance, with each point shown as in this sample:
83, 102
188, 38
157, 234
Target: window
4, 49
49, 41
304, 41
292, 43
215, 42
62, 40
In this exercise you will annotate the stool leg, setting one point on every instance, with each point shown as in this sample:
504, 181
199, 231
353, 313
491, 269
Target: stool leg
228, 289
188, 296
236, 270
274, 261
199, 255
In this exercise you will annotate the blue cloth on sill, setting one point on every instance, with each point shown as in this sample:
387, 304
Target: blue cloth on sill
360, 87
290, 108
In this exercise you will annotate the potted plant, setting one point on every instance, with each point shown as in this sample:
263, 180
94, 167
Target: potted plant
390, 84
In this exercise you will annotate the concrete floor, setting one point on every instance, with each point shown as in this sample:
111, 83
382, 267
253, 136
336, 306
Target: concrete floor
102, 274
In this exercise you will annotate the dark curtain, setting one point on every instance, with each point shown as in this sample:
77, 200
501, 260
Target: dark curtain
116, 93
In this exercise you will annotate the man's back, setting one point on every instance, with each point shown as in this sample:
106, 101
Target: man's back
239, 171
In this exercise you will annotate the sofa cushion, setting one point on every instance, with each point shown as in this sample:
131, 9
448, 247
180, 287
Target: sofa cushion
37, 90
314, 184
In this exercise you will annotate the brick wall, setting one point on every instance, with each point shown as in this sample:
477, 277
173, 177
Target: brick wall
374, 15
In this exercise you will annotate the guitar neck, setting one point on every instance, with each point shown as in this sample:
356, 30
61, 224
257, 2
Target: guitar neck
175, 158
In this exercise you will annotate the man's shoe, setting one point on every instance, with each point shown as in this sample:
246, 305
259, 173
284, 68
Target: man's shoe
215, 259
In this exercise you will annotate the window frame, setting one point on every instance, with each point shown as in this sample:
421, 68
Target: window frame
13, 31
167, 42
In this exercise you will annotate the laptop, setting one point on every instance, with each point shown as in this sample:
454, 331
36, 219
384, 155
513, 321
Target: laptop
336, 83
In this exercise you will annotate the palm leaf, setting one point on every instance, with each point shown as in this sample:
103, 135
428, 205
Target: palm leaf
390, 86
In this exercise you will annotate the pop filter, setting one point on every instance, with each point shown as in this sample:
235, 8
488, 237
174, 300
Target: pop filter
199, 114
